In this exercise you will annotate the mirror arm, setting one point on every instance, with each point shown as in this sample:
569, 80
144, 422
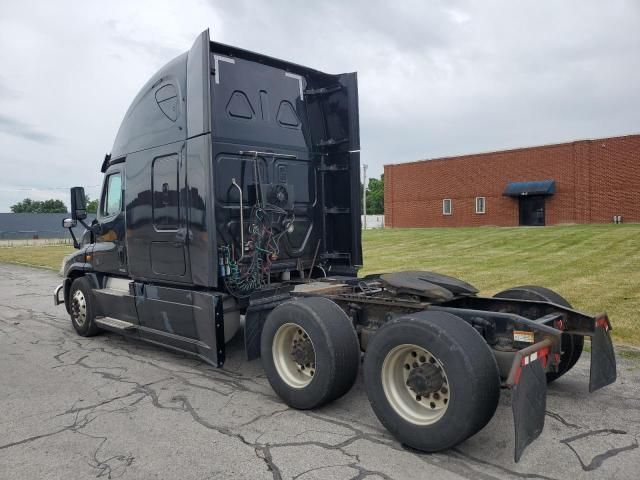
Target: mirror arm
88, 227
94, 229
76, 245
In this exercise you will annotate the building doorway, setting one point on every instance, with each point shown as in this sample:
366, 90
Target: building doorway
532, 210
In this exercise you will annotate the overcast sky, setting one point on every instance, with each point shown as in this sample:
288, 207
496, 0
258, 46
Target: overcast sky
435, 78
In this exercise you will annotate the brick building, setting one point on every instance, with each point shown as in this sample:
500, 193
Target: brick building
586, 181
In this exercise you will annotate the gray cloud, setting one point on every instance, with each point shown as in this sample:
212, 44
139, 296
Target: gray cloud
146, 46
444, 78
7, 93
436, 78
12, 126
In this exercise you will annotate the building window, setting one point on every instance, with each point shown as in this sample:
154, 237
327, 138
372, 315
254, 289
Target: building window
480, 204
446, 206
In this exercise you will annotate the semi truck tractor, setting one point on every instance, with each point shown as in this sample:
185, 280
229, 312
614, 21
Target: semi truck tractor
232, 192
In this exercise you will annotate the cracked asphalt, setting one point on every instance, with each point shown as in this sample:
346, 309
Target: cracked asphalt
107, 407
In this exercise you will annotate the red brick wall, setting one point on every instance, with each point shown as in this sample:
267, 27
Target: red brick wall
595, 180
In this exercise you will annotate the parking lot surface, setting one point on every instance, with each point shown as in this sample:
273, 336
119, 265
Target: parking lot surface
107, 407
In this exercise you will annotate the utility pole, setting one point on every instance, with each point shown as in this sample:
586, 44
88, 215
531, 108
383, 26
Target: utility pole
364, 194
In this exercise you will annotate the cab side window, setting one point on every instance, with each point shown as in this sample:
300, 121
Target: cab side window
166, 198
112, 196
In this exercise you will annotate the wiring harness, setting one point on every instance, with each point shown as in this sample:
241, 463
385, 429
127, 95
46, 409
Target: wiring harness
251, 271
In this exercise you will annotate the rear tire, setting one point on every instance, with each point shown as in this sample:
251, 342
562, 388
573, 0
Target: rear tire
310, 352
81, 307
571, 345
469, 379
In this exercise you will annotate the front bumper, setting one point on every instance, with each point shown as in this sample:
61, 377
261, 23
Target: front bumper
56, 295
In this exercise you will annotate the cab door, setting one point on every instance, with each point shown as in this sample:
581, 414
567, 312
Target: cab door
109, 252
157, 234
167, 249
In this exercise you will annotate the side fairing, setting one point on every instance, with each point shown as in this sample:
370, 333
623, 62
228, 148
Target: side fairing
198, 73
201, 234
166, 196
158, 114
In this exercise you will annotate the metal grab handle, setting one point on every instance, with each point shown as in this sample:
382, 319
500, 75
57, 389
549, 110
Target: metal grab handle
255, 153
233, 182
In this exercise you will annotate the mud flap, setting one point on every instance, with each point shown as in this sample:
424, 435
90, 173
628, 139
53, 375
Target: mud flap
603, 359
528, 382
529, 402
260, 305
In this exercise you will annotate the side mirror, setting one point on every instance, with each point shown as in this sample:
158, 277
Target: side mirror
78, 204
69, 223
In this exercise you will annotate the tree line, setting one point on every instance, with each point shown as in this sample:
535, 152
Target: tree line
375, 202
48, 206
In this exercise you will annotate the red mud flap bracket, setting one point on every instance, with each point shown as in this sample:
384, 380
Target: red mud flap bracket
603, 360
528, 382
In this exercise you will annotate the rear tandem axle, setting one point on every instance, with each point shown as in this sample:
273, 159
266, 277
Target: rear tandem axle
531, 334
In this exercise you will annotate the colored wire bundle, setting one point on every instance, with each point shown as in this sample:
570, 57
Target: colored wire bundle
267, 225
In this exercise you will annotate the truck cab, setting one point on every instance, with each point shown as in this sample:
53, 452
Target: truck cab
216, 136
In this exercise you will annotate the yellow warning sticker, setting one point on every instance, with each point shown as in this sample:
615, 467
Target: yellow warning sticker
523, 336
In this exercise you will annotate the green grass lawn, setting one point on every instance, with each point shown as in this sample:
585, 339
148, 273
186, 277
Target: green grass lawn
47, 256
596, 267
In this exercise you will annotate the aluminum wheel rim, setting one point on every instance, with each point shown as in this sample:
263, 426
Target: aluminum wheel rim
294, 374
79, 308
416, 409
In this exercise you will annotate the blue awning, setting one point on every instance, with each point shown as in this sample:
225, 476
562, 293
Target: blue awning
542, 187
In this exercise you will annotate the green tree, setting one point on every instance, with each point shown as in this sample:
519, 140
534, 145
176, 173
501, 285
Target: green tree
92, 205
36, 206
25, 206
375, 196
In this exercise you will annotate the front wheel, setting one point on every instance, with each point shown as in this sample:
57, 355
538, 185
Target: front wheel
431, 379
81, 308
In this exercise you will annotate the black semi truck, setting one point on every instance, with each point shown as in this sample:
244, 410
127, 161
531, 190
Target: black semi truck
232, 191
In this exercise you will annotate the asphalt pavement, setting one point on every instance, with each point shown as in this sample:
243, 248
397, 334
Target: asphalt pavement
107, 407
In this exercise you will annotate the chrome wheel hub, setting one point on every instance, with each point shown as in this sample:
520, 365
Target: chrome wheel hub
79, 308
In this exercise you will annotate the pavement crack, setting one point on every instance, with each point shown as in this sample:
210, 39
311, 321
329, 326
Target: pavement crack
57, 357
31, 439
264, 453
599, 459
263, 416
76, 425
323, 467
559, 418
105, 467
358, 434
500, 467
364, 473
135, 391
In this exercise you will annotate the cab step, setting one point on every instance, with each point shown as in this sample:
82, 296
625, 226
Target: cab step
114, 324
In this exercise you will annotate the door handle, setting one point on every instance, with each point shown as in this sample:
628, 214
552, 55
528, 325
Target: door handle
181, 236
